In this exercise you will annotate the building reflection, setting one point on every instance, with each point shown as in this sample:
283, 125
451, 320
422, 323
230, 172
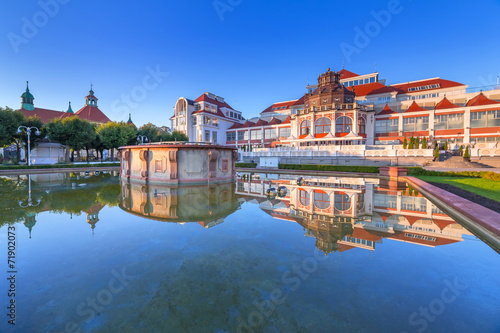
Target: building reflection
346, 213
207, 205
23, 197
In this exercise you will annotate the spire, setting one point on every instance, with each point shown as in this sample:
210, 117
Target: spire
91, 92
27, 99
129, 118
69, 109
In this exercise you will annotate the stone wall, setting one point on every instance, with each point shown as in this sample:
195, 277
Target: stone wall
371, 161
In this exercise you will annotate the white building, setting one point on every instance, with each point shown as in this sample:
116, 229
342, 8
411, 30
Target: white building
205, 119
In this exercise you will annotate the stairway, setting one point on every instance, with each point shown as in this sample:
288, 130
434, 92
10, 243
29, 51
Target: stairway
456, 162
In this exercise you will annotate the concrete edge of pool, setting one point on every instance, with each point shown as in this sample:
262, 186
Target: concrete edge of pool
58, 170
478, 219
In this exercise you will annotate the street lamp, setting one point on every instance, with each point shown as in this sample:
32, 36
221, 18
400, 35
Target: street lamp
28, 130
142, 138
30, 201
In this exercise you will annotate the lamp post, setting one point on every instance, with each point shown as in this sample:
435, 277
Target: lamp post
142, 138
28, 130
30, 201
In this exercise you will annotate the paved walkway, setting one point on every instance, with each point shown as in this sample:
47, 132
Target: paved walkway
497, 170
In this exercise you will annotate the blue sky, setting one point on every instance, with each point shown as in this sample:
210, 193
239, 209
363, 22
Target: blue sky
253, 53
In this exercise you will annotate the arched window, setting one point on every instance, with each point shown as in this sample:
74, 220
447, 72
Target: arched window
343, 124
361, 126
304, 198
323, 125
342, 201
305, 127
321, 200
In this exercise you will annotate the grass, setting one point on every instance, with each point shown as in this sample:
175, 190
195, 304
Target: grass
485, 187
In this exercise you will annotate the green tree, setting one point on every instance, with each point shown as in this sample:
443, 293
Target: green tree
73, 132
116, 134
436, 153
446, 145
417, 142
10, 121
467, 154
405, 143
411, 145
178, 136
424, 143
150, 131
461, 150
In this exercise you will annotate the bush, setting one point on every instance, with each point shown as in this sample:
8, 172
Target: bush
338, 168
246, 165
467, 154
418, 171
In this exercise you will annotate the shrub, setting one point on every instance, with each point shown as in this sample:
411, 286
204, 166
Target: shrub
246, 165
405, 143
466, 154
338, 168
436, 153
424, 143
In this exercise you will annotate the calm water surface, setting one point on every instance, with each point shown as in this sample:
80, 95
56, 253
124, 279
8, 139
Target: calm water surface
94, 254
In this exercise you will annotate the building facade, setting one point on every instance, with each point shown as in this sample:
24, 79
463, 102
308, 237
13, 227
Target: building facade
205, 119
347, 109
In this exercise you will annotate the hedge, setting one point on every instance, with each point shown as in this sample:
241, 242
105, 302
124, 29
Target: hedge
246, 165
338, 168
57, 166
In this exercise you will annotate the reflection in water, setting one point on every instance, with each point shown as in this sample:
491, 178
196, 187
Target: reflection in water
206, 204
23, 197
346, 213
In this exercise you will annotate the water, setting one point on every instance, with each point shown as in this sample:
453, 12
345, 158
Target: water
369, 257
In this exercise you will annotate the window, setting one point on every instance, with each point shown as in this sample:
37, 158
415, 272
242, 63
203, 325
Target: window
207, 136
323, 125
343, 124
304, 197
230, 136
225, 165
321, 200
416, 124
242, 135
485, 119
214, 137
429, 86
372, 79
361, 126
285, 132
305, 127
449, 121
270, 133
342, 201
256, 135
194, 120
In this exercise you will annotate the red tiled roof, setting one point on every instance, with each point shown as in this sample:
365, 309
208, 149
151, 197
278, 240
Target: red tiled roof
345, 74
45, 115
445, 104
287, 105
300, 101
287, 120
235, 125
387, 110
403, 87
205, 98
481, 100
371, 89
260, 122
218, 113
415, 107
93, 114
274, 121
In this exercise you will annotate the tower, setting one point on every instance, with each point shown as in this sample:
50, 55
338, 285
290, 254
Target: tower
27, 99
90, 99
69, 109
